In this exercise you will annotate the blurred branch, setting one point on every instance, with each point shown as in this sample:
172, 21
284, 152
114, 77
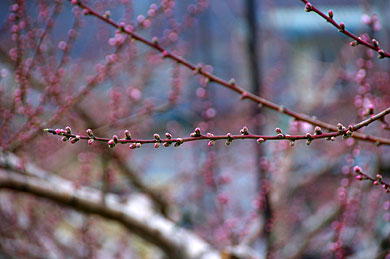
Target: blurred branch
136, 215
158, 198
311, 226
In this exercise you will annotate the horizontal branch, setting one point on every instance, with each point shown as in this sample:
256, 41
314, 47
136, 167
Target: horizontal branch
374, 45
213, 78
196, 135
136, 215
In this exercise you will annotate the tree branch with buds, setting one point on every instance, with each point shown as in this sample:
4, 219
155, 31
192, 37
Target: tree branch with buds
374, 45
211, 138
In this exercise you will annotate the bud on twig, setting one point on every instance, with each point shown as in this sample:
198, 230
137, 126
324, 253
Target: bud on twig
342, 27
330, 13
308, 7
127, 135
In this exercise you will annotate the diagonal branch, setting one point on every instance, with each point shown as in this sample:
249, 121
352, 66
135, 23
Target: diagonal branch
341, 27
213, 78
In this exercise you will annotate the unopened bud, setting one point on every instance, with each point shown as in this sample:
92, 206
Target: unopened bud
68, 130
260, 140
90, 133
308, 7
111, 143
375, 43
317, 130
244, 131
381, 53
330, 13
127, 135
342, 27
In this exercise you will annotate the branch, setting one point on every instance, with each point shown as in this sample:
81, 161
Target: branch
374, 45
154, 43
376, 181
196, 135
135, 215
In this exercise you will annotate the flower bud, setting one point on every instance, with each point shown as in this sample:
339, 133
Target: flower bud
127, 135
330, 13
232, 82
68, 130
260, 140
375, 43
244, 131
90, 133
308, 7
381, 53
317, 130
357, 169
342, 27
111, 143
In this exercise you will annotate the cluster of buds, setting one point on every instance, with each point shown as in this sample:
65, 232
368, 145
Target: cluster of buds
348, 133
91, 136
65, 133
158, 140
376, 181
309, 138
279, 133
308, 7
244, 131
135, 145
229, 139
178, 142
113, 141
211, 142
196, 133
168, 136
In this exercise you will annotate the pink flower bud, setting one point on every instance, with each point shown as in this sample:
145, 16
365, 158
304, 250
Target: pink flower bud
308, 7
111, 143
342, 27
330, 14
